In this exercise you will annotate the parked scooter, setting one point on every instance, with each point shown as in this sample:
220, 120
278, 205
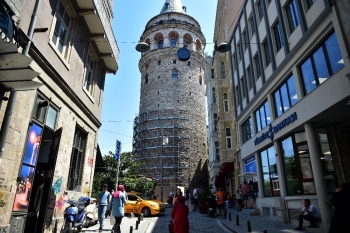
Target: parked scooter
211, 202
91, 214
74, 215
170, 200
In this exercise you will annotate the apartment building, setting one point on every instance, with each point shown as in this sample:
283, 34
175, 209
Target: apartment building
54, 57
290, 72
225, 126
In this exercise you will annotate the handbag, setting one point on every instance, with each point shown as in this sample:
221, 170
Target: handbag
171, 226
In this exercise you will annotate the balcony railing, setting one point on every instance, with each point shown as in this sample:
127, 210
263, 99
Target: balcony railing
8, 30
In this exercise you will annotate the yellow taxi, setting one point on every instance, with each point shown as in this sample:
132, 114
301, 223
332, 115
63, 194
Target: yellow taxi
140, 203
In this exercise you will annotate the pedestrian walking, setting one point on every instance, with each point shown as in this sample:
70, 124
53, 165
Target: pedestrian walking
177, 194
245, 192
195, 198
252, 194
102, 203
239, 198
116, 208
220, 195
187, 197
180, 215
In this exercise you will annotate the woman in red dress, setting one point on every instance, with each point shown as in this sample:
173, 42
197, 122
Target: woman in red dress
180, 215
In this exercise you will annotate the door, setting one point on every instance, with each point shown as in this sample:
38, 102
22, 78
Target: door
133, 205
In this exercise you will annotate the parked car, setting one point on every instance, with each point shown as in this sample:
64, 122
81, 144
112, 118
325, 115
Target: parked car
140, 203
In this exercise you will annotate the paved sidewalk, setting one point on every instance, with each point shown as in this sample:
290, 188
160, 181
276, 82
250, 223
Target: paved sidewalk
261, 223
145, 226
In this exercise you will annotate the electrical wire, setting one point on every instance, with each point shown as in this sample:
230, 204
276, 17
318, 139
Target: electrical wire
115, 133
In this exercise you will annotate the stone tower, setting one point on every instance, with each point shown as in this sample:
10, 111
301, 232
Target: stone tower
172, 100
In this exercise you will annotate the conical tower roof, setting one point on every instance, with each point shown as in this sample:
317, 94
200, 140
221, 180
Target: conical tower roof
172, 6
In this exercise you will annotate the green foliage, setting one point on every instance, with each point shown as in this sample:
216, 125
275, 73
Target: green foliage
203, 195
129, 174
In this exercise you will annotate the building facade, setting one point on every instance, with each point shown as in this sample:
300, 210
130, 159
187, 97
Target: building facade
290, 72
50, 139
213, 143
170, 131
227, 176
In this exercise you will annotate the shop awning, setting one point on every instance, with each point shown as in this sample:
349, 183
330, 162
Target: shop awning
225, 170
99, 165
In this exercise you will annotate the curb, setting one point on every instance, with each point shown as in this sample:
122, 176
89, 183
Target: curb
227, 227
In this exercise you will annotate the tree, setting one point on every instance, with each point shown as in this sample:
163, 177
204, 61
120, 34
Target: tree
129, 174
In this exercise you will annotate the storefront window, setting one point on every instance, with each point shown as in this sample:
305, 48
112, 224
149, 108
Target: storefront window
290, 167
270, 173
298, 167
326, 159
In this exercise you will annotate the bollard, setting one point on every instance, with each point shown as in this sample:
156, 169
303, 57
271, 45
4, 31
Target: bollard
265, 231
139, 217
130, 229
137, 225
229, 217
249, 227
237, 220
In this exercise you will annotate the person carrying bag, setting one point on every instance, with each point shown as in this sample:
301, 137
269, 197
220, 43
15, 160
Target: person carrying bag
116, 207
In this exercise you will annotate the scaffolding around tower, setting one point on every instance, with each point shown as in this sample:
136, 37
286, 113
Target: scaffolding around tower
149, 130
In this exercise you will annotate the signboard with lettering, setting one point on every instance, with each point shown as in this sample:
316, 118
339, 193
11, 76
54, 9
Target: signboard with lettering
250, 164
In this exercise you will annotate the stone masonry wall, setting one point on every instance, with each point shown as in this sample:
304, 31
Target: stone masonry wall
185, 156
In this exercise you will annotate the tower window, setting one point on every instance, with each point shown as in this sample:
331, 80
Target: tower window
158, 92
173, 43
166, 6
160, 44
174, 74
200, 80
184, 8
174, 61
159, 62
189, 63
146, 79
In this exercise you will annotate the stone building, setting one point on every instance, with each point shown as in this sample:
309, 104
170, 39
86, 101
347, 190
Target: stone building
53, 62
226, 145
172, 101
290, 73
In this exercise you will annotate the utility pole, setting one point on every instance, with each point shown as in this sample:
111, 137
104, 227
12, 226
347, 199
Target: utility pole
118, 149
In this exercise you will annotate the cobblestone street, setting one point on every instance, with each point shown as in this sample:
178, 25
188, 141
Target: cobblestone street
198, 223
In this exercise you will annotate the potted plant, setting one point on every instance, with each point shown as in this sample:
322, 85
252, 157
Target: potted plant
204, 193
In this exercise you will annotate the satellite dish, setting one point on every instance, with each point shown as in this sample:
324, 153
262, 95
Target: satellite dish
142, 47
224, 47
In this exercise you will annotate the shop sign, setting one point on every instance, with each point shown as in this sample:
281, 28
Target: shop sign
274, 129
250, 164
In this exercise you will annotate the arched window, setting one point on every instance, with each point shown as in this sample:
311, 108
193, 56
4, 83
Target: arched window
198, 45
146, 79
187, 39
160, 44
185, 44
225, 102
173, 43
174, 74
200, 80
148, 41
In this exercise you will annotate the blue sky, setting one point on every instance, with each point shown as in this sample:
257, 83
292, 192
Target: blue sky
122, 91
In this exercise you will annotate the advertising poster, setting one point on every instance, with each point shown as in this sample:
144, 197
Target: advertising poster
250, 164
23, 189
32, 148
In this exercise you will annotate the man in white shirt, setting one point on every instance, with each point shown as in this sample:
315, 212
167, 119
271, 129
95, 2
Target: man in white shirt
195, 198
311, 215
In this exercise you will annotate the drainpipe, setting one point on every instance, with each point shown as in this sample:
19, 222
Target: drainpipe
13, 95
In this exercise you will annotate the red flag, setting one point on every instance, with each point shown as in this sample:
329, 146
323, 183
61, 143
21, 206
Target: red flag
218, 118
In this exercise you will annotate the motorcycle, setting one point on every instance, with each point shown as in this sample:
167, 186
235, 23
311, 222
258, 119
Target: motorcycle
170, 200
211, 202
91, 214
74, 215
